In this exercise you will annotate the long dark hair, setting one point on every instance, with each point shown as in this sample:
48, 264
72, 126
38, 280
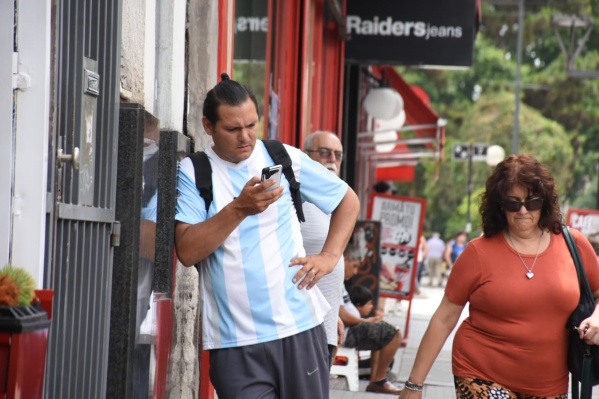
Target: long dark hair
227, 92
524, 171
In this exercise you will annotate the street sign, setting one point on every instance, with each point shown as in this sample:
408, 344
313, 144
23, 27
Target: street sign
461, 152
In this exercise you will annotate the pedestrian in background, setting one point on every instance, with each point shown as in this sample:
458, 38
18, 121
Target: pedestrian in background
325, 148
261, 311
383, 187
521, 285
453, 249
436, 249
420, 259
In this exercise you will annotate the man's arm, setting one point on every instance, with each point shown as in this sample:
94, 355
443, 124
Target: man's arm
196, 242
343, 221
147, 239
340, 330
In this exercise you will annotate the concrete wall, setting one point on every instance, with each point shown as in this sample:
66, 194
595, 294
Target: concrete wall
201, 68
134, 33
157, 73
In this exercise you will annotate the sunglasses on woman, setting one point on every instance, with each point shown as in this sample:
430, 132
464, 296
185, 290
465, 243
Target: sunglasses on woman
514, 205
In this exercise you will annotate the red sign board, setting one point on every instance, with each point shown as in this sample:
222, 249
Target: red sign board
587, 222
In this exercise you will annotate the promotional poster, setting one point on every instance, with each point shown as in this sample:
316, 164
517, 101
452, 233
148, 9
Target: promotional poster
366, 237
402, 220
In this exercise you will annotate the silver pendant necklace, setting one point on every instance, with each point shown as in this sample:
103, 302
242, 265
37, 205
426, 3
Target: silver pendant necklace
529, 272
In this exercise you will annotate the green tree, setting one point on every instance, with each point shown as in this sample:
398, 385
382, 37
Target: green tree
558, 114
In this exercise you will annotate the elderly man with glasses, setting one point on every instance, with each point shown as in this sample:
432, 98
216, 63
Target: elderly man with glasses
325, 147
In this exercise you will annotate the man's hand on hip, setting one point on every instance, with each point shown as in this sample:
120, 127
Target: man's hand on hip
314, 267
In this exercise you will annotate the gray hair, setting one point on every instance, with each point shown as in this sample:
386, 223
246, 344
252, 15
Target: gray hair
310, 137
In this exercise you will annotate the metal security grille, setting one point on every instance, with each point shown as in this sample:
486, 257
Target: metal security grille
81, 192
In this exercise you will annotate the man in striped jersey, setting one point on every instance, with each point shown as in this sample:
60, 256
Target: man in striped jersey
261, 312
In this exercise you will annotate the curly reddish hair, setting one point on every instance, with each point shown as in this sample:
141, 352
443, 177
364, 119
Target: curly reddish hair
527, 172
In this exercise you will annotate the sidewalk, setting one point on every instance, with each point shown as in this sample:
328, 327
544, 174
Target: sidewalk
439, 383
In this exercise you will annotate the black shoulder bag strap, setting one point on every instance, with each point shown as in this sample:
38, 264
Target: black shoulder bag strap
203, 175
586, 295
279, 155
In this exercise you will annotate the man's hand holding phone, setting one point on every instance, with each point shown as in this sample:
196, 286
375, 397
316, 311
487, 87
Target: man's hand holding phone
272, 173
258, 194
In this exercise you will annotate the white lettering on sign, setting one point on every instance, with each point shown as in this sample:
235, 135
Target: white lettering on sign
388, 27
585, 223
251, 24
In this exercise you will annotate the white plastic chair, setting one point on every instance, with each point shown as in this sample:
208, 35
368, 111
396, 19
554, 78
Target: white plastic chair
350, 369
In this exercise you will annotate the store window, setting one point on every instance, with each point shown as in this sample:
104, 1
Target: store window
249, 60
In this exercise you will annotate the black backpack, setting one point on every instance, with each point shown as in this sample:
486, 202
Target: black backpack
278, 153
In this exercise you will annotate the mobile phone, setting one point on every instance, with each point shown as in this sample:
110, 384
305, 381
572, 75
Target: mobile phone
272, 173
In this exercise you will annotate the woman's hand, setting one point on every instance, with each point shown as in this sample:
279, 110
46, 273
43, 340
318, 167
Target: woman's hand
589, 328
589, 331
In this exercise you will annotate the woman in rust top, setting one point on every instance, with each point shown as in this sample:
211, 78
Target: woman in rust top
520, 282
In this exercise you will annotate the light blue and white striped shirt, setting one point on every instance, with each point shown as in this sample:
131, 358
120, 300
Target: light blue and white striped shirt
246, 290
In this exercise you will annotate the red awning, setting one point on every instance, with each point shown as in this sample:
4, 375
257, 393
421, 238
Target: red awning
404, 173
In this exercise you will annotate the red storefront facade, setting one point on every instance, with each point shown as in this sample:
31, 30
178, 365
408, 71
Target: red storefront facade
292, 55
302, 67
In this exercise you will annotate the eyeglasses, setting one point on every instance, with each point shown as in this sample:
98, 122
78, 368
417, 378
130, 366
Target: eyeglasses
514, 205
326, 153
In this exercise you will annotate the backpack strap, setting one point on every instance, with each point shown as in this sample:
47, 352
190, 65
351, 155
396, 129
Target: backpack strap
203, 175
279, 155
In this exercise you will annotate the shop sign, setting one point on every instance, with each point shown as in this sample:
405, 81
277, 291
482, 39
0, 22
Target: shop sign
251, 26
421, 33
587, 222
463, 151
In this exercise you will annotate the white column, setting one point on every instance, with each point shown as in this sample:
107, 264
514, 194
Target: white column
150, 81
6, 129
32, 135
170, 57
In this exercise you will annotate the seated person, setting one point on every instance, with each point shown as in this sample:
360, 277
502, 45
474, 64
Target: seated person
370, 333
363, 300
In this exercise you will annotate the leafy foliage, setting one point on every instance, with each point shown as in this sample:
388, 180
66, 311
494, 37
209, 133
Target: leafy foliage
17, 286
558, 114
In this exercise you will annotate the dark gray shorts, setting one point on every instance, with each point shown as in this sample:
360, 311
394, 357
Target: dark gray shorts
295, 367
370, 336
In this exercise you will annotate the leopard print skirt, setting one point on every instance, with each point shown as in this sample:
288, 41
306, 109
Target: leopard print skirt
474, 388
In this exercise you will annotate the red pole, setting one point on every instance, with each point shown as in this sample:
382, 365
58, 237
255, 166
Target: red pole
206, 388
